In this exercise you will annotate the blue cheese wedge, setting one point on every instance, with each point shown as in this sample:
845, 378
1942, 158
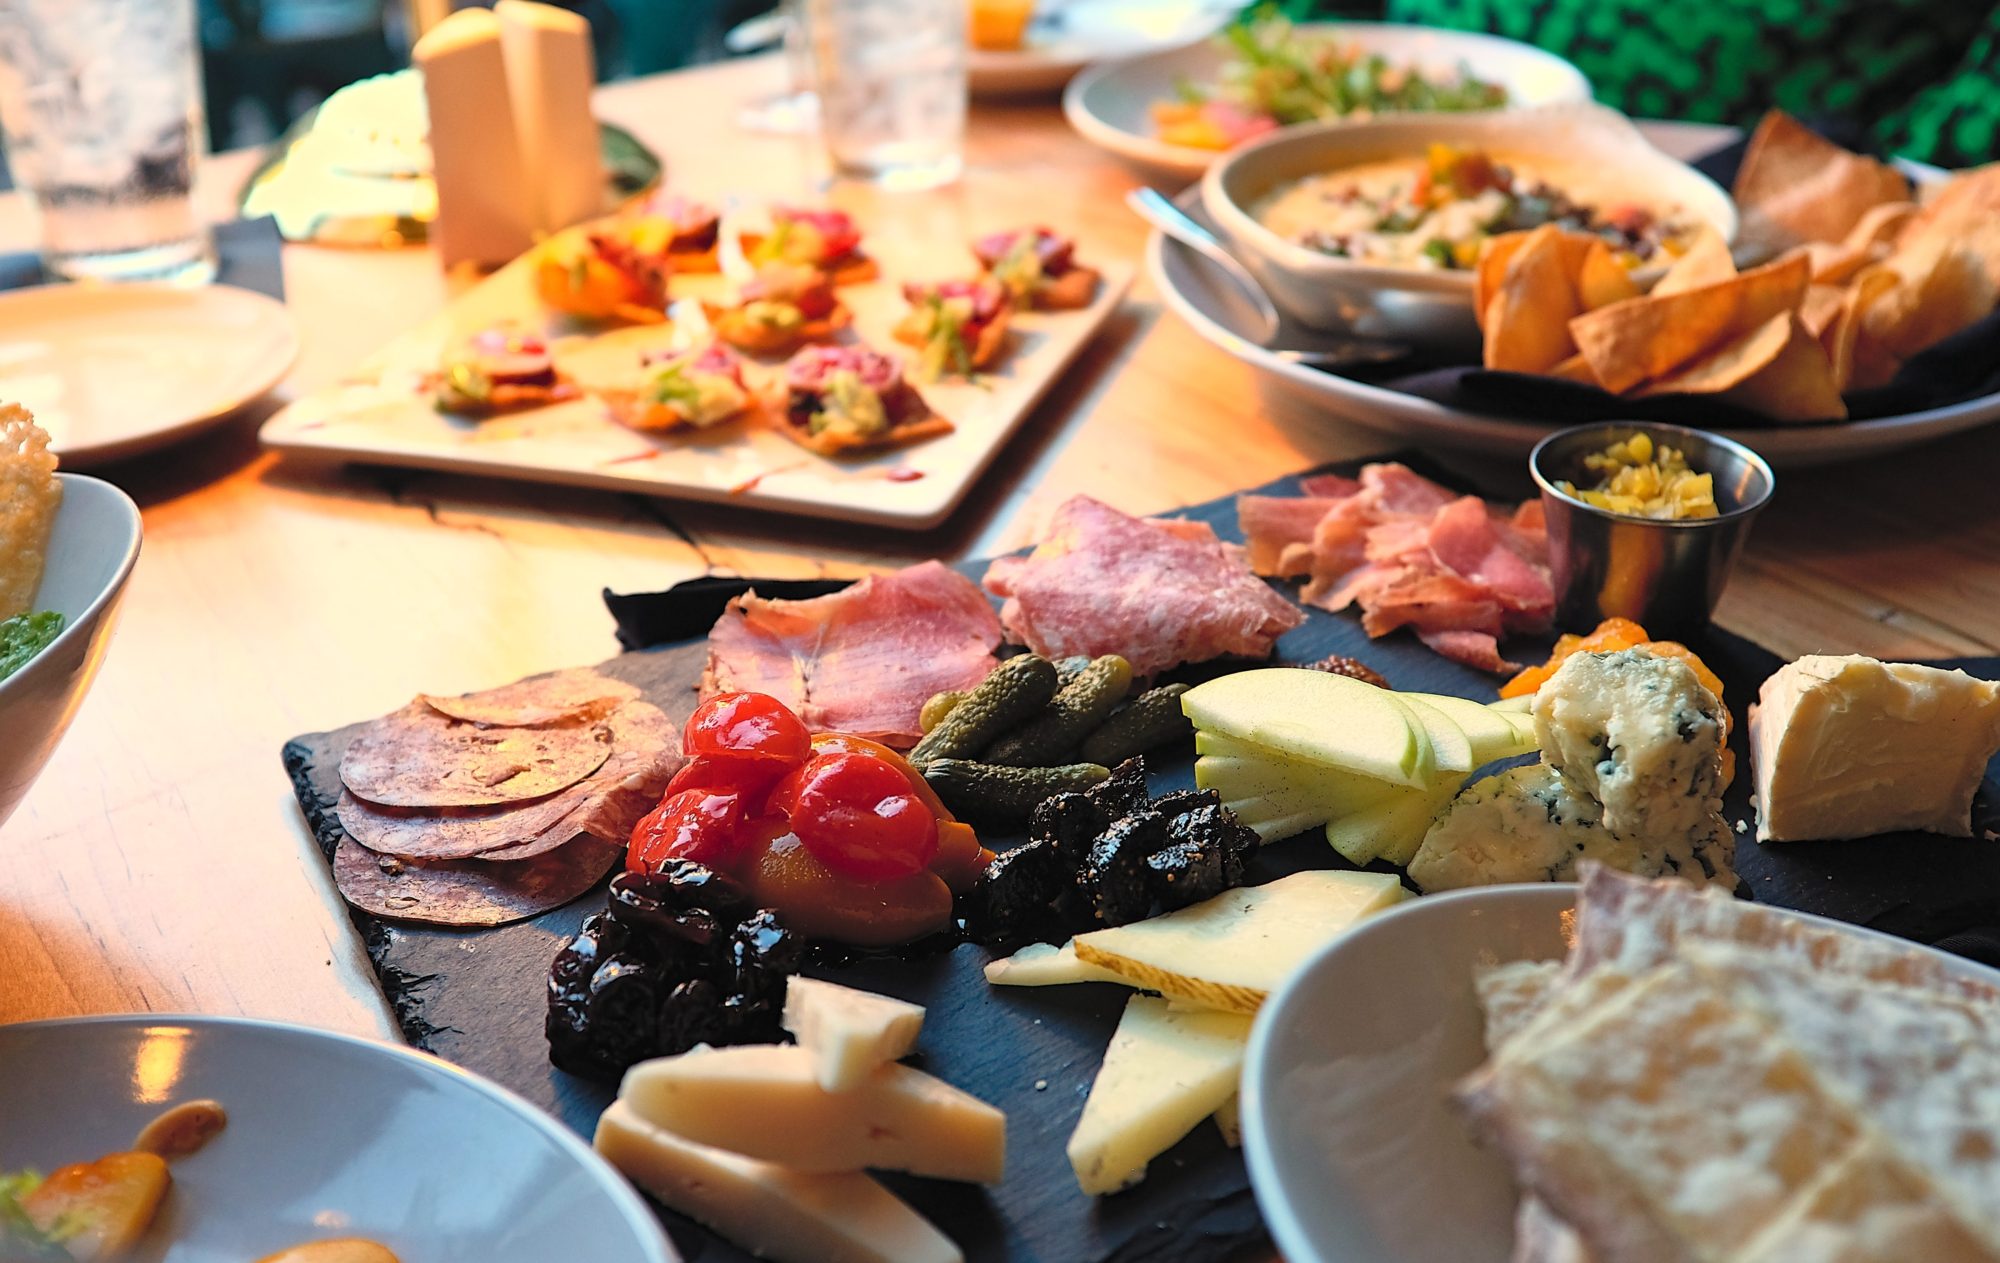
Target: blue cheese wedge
1848, 747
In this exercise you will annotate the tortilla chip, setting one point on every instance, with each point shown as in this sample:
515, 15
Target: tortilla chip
1881, 224
1797, 385
30, 494
1964, 210
1602, 280
1795, 186
1840, 337
579, 695
468, 892
1495, 253
1575, 369
1705, 262
1728, 365
416, 757
1527, 325
1837, 264
1821, 307
1642, 339
1942, 288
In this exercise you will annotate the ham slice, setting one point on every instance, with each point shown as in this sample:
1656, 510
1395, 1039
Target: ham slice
862, 660
1157, 592
1409, 552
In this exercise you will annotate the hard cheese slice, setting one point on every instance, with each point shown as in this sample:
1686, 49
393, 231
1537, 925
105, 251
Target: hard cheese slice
764, 1101
773, 1212
1165, 1071
1046, 965
1231, 951
849, 1032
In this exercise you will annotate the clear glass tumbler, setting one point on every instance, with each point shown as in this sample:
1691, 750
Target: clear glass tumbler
890, 76
100, 101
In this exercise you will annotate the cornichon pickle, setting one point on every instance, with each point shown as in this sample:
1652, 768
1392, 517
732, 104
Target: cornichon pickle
940, 705
1072, 714
987, 794
1153, 719
1011, 692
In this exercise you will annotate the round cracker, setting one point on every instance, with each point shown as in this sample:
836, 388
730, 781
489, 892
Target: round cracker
576, 696
418, 757
469, 892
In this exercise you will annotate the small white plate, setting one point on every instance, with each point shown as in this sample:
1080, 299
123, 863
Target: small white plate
111, 371
1111, 105
1354, 1150
328, 1136
1064, 38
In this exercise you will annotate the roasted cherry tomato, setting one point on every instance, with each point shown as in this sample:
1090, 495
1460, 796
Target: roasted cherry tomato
700, 824
858, 815
749, 728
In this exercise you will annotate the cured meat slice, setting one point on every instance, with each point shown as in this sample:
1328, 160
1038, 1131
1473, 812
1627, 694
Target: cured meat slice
468, 892
1476, 649
418, 757
1159, 593
560, 697
1278, 531
863, 660
1466, 540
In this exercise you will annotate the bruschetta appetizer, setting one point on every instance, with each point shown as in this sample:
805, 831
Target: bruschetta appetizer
826, 240
690, 231
1038, 269
500, 370
616, 272
956, 326
841, 399
689, 390
785, 306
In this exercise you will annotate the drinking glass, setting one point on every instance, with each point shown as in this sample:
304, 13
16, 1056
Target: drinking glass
890, 77
100, 102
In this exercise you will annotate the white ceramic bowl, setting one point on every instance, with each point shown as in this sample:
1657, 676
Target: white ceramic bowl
1111, 104
91, 551
328, 1136
1428, 306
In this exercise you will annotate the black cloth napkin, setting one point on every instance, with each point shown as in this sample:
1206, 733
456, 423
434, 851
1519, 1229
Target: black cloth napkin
689, 609
1963, 366
248, 255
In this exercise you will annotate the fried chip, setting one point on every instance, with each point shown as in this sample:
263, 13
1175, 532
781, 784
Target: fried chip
1602, 280
1840, 336
30, 494
1495, 253
1728, 365
1705, 262
1881, 225
1778, 369
1651, 337
1941, 289
1795, 186
1964, 210
1821, 307
1527, 322
1575, 369
1837, 264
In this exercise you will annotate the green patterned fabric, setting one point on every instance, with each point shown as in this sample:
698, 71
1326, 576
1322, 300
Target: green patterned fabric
1921, 76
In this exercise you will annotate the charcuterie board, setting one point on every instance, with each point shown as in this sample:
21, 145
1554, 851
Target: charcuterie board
477, 997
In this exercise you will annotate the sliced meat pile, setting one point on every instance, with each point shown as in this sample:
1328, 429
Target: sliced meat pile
497, 806
1459, 572
1158, 592
863, 660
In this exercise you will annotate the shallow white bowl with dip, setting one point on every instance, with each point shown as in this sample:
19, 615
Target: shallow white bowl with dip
1594, 154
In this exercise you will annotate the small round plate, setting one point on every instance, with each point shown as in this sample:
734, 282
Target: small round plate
328, 1136
1063, 39
1111, 105
111, 371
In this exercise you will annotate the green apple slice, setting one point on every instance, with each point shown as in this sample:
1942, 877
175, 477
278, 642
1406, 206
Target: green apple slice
1392, 829
1317, 718
1525, 702
1278, 797
1494, 733
1451, 749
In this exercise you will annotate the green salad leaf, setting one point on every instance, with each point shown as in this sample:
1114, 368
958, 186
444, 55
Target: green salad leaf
1297, 77
25, 635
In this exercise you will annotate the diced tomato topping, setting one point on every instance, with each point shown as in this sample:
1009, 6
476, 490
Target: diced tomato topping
814, 366
837, 233
1056, 253
857, 815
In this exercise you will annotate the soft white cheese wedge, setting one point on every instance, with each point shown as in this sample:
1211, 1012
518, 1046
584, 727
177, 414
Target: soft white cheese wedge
1165, 1071
484, 214
771, 1211
1231, 951
849, 1032
1848, 747
1046, 965
765, 1101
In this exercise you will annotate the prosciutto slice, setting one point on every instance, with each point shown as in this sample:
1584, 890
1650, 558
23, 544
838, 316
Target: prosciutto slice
1157, 592
862, 660
1459, 572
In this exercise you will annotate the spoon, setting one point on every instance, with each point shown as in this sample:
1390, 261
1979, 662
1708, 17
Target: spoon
1160, 211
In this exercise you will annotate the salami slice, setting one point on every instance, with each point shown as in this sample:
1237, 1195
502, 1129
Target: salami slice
419, 757
468, 892
576, 696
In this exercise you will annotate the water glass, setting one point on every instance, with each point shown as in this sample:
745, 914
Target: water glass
100, 102
890, 76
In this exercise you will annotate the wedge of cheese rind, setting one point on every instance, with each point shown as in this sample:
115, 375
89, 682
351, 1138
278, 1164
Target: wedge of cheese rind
1848, 747
1165, 1070
765, 1101
1232, 951
1047, 965
773, 1212
849, 1032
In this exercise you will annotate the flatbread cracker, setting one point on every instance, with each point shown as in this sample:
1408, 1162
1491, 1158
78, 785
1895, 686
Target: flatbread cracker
468, 892
416, 757
30, 494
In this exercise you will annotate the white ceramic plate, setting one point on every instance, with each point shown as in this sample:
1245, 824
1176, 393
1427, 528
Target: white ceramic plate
111, 371
1066, 37
1353, 1148
328, 1136
1110, 105
1196, 291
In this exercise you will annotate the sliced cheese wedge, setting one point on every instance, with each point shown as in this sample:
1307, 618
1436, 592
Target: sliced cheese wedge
1231, 951
1046, 965
1229, 1121
774, 1213
765, 1101
1165, 1071
849, 1032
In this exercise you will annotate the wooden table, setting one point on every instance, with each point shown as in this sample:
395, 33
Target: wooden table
160, 864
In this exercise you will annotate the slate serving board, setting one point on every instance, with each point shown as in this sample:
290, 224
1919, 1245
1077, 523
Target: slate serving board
476, 997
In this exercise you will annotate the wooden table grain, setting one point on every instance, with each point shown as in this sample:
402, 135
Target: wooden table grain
161, 865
